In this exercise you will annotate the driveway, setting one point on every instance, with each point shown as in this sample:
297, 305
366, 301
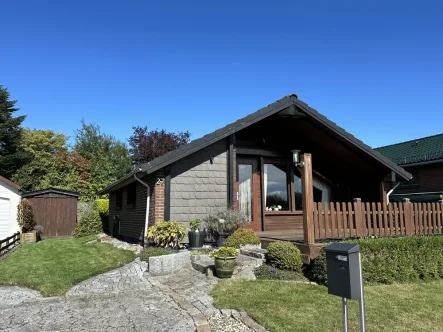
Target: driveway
125, 299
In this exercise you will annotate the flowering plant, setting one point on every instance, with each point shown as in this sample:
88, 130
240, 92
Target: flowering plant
274, 208
225, 221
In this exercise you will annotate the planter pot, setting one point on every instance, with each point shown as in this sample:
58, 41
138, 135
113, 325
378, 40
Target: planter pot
224, 267
196, 239
221, 239
28, 237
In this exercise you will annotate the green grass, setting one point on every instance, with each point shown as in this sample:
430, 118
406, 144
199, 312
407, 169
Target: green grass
55, 265
282, 306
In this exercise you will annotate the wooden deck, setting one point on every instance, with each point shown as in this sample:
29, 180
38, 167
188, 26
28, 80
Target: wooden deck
295, 235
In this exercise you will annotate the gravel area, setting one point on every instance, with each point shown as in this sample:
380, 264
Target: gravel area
227, 324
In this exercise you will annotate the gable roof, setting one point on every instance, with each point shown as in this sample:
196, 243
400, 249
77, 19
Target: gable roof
50, 190
10, 183
224, 132
418, 150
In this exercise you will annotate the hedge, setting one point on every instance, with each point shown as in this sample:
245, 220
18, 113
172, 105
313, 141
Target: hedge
389, 260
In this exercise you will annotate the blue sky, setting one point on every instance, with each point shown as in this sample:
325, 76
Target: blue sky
374, 67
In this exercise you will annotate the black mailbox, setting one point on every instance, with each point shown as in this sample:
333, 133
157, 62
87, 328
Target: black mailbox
344, 272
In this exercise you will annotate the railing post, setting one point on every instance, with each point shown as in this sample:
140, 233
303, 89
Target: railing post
308, 198
408, 216
359, 229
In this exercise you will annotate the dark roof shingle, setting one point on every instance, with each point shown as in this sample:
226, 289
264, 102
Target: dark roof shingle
414, 151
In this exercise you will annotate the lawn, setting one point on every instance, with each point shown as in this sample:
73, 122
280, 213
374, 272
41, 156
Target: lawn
53, 266
283, 306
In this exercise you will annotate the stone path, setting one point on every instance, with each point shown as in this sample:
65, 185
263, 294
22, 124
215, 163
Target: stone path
125, 299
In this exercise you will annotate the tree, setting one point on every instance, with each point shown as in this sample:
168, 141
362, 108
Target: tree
108, 157
148, 145
11, 158
42, 148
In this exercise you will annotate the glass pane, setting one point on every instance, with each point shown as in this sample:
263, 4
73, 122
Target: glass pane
276, 187
245, 190
298, 193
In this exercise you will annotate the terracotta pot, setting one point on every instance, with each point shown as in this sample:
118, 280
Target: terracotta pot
224, 267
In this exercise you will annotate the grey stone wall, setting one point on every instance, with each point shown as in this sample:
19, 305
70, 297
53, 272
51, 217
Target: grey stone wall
199, 187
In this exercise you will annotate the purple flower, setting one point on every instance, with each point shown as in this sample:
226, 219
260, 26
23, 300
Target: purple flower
271, 270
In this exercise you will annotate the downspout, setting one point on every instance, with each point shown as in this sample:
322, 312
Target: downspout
390, 192
148, 198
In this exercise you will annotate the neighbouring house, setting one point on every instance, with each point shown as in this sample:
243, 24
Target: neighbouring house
10, 196
284, 155
423, 158
55, 210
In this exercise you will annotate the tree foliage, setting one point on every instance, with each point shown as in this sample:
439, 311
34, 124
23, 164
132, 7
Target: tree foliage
147, 145
108, 157
11, 158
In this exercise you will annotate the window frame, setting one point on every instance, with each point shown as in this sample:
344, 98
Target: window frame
289, 185
119, 199
131, 194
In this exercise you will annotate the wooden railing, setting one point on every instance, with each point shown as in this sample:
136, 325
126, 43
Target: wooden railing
358, 219
8, 243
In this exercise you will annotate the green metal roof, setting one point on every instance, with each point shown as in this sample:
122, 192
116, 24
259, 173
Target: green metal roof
414, 151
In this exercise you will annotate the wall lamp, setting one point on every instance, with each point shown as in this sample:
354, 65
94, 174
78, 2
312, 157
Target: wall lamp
296, 158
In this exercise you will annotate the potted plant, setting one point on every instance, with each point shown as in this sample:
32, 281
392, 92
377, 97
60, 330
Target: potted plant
223, 223
196, 237
168, 234
224, 260
25, 219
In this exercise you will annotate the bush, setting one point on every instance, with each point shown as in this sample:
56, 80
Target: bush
389, 260
225, 221
25, 215
167, 233
89, 223
284, 255
102, 206
241, 237
224, 252
267, 272
152, 252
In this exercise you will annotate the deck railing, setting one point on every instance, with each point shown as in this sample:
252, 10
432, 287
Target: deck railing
358, 219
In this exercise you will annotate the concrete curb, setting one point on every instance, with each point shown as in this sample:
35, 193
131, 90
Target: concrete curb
167, 264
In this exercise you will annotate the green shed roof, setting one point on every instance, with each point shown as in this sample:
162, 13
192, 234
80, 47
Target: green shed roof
414, 151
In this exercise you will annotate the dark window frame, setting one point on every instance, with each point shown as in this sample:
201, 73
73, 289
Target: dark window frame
131, 194
119, 199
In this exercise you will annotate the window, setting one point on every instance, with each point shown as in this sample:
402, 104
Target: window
119, 199
298, 192
131, 194
245, 188
276, 187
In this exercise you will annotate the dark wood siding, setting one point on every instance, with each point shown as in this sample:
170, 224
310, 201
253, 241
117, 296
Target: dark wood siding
57, 213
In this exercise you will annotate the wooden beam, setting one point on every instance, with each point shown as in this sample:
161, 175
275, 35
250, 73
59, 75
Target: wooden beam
383, 192
263, 153
308, 199
231, 170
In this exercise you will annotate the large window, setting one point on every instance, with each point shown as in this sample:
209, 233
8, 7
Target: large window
276, 187
298, 192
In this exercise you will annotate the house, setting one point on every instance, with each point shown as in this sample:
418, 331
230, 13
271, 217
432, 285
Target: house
285, 154
423, 158
10, 196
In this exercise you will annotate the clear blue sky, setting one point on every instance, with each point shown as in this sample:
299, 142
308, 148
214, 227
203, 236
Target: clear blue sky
373, 67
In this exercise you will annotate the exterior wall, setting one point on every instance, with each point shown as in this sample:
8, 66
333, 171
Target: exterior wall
199, 187
13, 195
430, 179
132, 218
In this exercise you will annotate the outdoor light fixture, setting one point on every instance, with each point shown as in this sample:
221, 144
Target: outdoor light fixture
296, 158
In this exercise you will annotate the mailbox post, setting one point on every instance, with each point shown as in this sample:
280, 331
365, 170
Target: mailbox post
345, 277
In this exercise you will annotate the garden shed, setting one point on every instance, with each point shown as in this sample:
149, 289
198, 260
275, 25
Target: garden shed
55, 210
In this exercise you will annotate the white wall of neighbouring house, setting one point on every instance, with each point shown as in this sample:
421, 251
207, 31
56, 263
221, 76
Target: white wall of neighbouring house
9, 199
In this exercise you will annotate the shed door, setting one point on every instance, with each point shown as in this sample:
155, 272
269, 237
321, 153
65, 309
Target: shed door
4, 218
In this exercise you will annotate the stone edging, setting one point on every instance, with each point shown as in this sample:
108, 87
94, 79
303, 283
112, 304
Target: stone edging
167, 264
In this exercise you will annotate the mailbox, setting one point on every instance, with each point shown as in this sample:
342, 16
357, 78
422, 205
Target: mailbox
344, 271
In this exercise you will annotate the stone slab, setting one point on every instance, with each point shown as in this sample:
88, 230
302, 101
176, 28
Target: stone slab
164, 265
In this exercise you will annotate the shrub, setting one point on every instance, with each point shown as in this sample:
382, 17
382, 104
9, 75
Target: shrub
267, 272
25, 215
284, 255
89, 223
224, 252
225, 221
167, 233
195, 224
389, 260
241, 237
102, 206
317, 270
152, 252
